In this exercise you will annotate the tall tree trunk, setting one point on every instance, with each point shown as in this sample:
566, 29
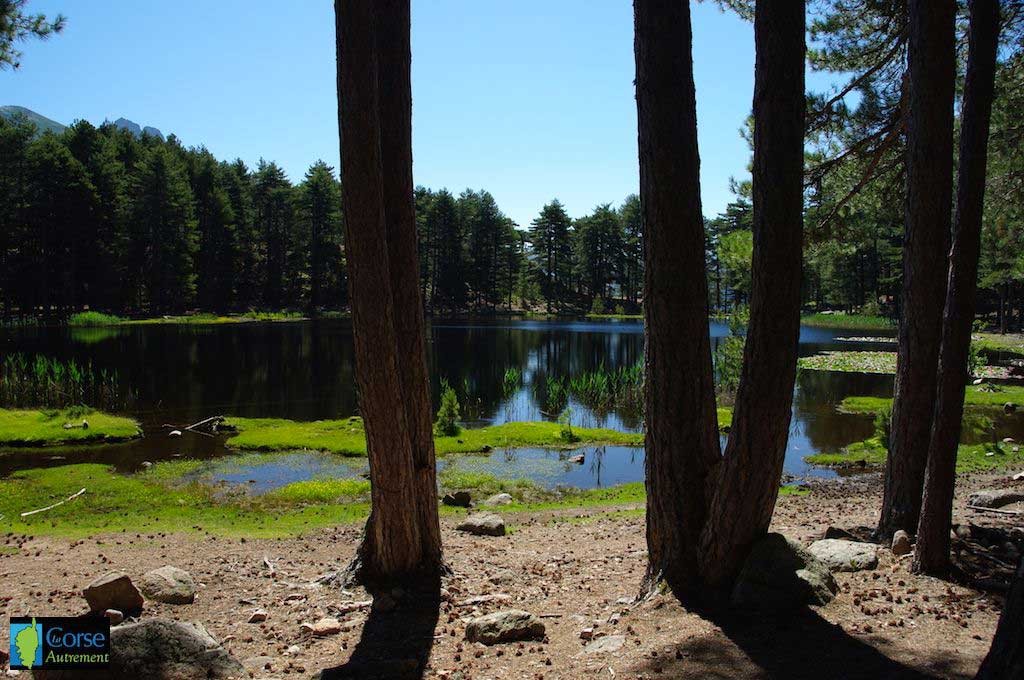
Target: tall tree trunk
682, 424
932, 551
748, 479
1005, 659
927, 223
374, 103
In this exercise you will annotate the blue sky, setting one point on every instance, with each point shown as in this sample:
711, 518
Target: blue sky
530, 100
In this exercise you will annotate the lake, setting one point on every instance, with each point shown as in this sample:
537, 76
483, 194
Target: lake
304, 371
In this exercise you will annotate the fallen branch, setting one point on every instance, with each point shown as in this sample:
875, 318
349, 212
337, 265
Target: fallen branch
978, 508
51, 507
205, 421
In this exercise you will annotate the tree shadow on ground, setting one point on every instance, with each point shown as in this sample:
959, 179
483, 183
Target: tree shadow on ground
794, 647
395, 643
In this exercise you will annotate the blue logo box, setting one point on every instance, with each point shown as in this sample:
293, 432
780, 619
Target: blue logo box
57, 642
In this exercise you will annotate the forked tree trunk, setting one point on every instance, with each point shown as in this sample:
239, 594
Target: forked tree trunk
1005, 659
748, 480
401, 537
682, 423
926, 241
932, 551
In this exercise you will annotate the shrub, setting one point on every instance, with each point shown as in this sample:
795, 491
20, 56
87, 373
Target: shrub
883, 426
447, 424
565, 420
598, 306
94, 319
620, 310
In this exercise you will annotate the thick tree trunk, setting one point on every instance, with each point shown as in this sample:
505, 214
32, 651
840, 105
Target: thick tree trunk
1005, 659
395, 101
748, 479
926, 242
402, 536
682, 424
932, 551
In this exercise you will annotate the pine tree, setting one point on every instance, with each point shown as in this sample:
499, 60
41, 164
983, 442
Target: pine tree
320, 214
215, 221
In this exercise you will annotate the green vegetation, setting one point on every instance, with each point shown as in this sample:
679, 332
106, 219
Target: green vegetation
872, 453
94, 319
993, 397
47, 427
853, 362
852, 322
447, 423
995, 342
617, 317
39, 381
347, 437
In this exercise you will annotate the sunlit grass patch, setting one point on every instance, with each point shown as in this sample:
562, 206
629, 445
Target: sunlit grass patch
847, 321
872, 453
46, 427
981, 396
94, 319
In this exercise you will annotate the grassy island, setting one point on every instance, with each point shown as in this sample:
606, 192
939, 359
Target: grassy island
45, 427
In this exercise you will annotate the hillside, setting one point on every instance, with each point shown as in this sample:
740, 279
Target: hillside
43, 123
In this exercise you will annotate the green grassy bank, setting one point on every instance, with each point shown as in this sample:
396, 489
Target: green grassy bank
45, 427
871, 453
973, 397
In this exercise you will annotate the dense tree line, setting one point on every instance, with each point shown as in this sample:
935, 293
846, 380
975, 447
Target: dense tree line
100, 218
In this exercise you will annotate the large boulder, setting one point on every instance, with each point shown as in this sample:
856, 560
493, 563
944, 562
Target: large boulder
505, 626
483, 524
169, 585
901, 544
113, 590
499, 499
458, 499
159, 649
995, 498
781, 574
843, 555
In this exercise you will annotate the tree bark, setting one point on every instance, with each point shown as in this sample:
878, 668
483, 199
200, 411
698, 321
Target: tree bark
748, 480
682, 423
1005, 659
402, 537
926, 241
932, 551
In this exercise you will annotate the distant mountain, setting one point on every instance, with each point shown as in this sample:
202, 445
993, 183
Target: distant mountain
134, 128
42, 123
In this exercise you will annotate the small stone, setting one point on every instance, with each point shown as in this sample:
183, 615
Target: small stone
326, 626
114, 616
842, 555
258, 616
499, 499
608, 644
457, 499
169, 585
901, 543
587, 634
509, 625
294, 650
1009, 407
113, 590
995, 498
483, 524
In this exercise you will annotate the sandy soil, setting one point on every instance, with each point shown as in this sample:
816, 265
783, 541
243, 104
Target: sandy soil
576, 569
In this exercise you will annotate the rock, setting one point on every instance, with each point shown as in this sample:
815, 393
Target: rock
3, 657
509, 625
115, 616
499, 499
578, 459
901, 543
781, 574
458, 499
838, 532
259, 663
587, 634
1018, 477
169, 585
146, 465
294, 650
113, 590
326, 626
842, 555
502, 576
258, 616
160, 648
483, 524
1009, 407
995, 498
608, 644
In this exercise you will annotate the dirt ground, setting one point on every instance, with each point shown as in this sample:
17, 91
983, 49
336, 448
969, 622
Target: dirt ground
577, 570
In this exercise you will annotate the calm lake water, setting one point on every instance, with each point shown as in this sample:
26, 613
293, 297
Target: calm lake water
304, 371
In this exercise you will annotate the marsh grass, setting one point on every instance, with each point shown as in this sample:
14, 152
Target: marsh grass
847, 321
94, 319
